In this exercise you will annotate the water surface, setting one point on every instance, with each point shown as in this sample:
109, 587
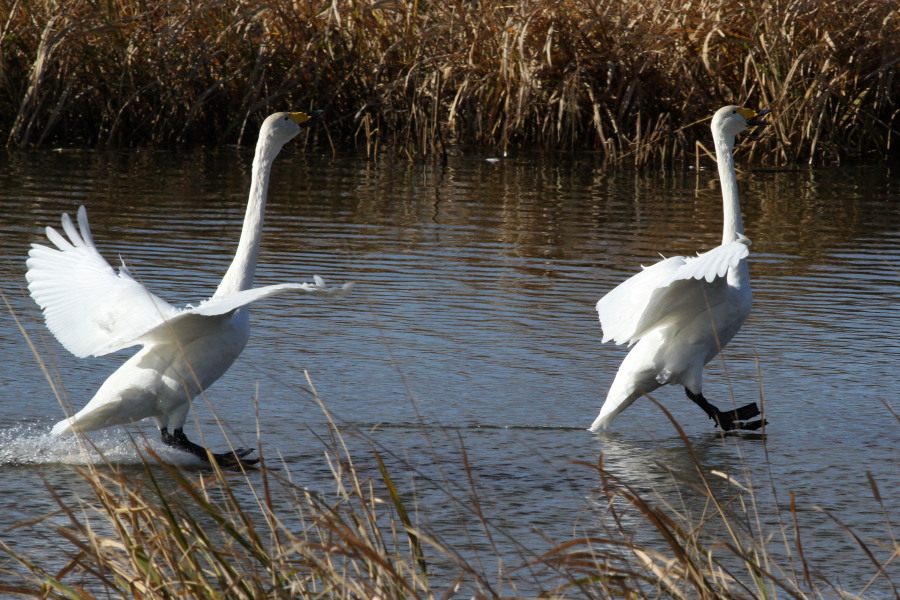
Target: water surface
472, 329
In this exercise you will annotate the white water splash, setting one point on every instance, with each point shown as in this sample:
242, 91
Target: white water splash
29, 444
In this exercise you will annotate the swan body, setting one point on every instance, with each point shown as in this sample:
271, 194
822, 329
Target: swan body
680, 312
93, 310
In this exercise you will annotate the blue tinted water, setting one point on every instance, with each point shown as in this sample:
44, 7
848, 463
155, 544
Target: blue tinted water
472, 329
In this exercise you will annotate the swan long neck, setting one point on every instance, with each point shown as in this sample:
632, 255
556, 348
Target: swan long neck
731, 205
240, 274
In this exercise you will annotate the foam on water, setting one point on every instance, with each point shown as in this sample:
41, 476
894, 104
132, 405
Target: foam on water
32, 445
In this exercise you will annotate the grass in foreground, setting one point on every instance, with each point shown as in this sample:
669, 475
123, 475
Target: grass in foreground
628, 79
160, 532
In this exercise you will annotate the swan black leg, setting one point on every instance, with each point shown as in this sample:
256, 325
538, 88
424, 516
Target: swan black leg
730, 419
178, 440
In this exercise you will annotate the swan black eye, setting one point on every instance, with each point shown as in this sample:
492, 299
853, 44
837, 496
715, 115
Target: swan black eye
734, 112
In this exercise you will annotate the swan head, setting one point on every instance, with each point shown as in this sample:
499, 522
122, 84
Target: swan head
731, 120
280, 128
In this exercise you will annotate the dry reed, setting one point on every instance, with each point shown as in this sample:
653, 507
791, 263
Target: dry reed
159, 532
623, 78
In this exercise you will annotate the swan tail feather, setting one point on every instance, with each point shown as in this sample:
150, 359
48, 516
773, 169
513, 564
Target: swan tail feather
63, 427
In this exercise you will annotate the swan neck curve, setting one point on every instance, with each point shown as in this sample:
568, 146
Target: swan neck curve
731, 205
240, 274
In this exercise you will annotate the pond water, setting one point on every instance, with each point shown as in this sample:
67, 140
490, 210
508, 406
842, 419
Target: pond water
472, 328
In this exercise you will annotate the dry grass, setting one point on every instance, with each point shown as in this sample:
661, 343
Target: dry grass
625, 78
159, 533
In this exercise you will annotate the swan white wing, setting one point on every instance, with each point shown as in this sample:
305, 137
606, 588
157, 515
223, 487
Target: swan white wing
644, 300
679, 302
89, 307
714, 263
191, 319
621, 309
697, 285
224, 304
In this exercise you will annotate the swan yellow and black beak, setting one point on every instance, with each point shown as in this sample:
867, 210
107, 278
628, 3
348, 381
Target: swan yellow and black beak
306, 119
753, 117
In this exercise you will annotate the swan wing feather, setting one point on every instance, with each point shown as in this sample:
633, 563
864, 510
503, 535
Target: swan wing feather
190, 320
644, 300
714, 263
620, 310
90, 308
225, 304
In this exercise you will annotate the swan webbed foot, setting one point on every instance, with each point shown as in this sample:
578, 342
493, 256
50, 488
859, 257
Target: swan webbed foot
751, 426
236, 458
178, 440
743, 413
729, 422
730, 419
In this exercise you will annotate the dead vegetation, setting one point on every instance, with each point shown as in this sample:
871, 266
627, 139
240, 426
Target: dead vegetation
158, 532
626, 79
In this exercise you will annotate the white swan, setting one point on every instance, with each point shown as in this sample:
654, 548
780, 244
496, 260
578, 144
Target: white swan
679, 312
94, 310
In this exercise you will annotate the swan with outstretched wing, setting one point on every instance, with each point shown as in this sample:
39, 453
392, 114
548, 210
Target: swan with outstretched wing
94, 309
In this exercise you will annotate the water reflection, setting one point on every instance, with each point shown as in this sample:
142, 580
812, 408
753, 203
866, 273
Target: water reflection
474, 311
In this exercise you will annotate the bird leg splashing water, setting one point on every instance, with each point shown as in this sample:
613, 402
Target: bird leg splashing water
93, 310
680, 312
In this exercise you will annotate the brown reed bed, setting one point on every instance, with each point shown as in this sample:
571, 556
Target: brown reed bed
627, 79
